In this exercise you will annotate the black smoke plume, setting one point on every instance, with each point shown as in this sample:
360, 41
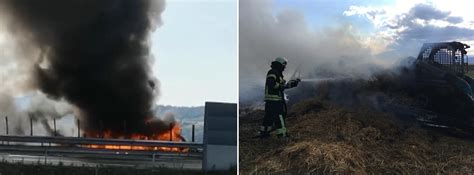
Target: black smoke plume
95, 55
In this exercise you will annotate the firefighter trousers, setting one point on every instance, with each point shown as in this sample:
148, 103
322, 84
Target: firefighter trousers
274, 119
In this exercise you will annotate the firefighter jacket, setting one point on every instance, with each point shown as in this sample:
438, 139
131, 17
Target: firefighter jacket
274, 86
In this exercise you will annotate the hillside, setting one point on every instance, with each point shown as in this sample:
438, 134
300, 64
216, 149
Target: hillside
327, 138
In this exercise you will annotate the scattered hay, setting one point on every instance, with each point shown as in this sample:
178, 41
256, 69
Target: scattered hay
315, 157
327, 139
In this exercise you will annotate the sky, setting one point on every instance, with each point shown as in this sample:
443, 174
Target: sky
195, 52
391, 26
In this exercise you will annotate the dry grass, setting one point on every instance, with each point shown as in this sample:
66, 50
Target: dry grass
326, 139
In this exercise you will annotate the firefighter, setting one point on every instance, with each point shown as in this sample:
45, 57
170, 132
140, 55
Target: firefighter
275, 105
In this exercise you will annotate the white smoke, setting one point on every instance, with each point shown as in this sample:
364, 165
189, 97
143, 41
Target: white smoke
37, 107
19, 100
330, 52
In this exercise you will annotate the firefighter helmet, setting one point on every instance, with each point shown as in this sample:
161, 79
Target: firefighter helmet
281, 60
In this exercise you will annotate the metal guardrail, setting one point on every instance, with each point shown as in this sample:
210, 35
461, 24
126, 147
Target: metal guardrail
77, 148
97, 141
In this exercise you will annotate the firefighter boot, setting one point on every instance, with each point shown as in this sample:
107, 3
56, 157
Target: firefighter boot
264, 132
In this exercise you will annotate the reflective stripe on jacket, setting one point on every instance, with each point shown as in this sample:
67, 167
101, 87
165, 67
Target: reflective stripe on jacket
274, 86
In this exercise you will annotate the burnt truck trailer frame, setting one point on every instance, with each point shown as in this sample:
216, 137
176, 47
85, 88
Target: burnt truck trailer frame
441, 81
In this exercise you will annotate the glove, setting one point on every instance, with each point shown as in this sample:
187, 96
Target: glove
296, 82
292, 83
283, 85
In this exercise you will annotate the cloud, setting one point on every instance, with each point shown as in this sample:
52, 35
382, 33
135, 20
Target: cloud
406, 29
427, 12
429, 32
368, 12
454, 19
424, 23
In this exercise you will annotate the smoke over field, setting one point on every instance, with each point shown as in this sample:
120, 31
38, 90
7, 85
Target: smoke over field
329, 53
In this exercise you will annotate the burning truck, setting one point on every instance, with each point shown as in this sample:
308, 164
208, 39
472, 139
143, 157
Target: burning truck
94, 55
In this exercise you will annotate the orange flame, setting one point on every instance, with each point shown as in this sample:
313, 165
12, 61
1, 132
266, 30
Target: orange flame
174, 134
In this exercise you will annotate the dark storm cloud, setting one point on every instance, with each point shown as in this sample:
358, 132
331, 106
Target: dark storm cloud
95, 55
